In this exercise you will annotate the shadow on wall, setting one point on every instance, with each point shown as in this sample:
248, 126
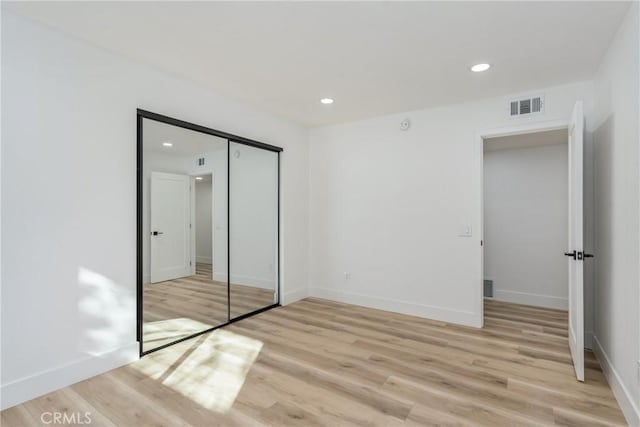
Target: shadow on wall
106, 313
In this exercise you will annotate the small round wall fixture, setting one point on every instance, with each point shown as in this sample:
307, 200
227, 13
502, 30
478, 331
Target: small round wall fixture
236, 154
327, 101
478, 68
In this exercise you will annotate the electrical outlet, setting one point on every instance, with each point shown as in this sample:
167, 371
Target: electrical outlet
347, 275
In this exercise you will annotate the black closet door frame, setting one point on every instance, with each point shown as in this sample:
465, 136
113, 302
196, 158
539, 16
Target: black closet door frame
144, 114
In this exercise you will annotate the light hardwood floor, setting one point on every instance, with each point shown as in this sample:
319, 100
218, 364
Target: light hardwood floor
178, 308
317, 362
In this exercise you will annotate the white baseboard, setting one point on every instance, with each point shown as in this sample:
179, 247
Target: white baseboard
38, 384
246, 280
466, 318
629, 407
530, 299
204, 259
293, 296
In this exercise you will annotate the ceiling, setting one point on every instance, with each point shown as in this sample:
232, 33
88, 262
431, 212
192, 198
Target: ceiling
185, 142
374, 58
527, 140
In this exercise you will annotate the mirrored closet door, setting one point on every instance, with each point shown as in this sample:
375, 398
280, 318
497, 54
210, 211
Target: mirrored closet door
253, 228
207, 205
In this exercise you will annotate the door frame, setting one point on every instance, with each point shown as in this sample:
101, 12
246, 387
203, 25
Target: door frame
144, 114
480, 137
193, 176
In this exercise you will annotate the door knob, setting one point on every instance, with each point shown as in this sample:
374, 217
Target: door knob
155, 233
578, 255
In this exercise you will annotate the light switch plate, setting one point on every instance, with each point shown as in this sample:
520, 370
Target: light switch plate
466, 231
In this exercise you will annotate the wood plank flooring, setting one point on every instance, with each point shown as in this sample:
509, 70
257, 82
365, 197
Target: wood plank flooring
178, 308
317, 362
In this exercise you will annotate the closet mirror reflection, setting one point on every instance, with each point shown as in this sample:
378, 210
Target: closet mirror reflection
202, 197
253, 227
185, 253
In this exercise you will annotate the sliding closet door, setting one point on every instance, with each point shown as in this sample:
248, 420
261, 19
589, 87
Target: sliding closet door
207, 230
253, 228
184, 286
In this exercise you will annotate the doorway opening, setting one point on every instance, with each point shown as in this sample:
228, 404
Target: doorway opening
525, 190
203, 229
524, 231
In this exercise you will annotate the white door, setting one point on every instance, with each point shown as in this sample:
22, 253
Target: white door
170, 233
576, 250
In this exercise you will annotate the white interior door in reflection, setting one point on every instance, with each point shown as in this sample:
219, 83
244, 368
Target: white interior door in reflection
170, 234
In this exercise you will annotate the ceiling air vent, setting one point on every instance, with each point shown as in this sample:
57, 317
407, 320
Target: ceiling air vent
526, 106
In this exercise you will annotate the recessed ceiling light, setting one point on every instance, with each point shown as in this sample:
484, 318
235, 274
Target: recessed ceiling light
168, 144
327, 101
480, 67
199, 178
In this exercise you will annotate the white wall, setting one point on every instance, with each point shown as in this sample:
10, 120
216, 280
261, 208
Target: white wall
388, 206
69, 197
616, 141
204, 216
525, 224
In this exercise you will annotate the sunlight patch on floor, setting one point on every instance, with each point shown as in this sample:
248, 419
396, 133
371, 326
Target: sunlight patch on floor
165, 331
210, 369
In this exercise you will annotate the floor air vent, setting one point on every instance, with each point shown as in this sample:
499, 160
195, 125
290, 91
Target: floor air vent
488, 288
526, 106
